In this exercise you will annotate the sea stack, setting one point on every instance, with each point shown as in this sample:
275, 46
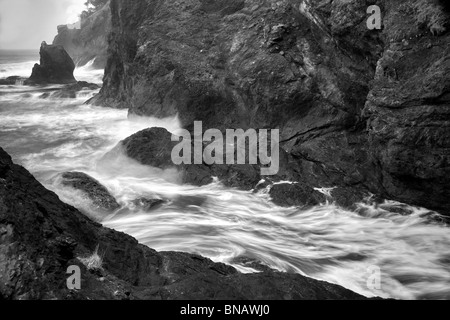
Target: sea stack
56, 66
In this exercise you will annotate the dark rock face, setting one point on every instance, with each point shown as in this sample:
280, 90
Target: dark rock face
250, 66
95, 191
90, 42
40, 237
287, 194
408, 111
153, 147
200, 69
360, 110
56, 67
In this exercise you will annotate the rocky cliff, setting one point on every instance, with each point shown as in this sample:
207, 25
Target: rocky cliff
360, 110
408, 107
90, 41
40, 237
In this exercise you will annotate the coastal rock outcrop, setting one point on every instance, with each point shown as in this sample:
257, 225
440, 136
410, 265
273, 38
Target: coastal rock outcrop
90, 41
40, 237
153, 147
56, 67
360, 111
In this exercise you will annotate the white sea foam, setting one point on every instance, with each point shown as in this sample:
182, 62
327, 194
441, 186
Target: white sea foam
89, 74
325, 242
21, 69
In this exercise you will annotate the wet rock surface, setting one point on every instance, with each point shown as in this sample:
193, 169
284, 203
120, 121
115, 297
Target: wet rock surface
70, 91
96, 192
408, 111
148, 204
40, 237
295, 194
153, 147
363, 111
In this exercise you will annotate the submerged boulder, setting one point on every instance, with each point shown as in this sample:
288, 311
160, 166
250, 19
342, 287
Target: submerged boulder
70, 91
11, 80
147, 204
94, 190
56, 66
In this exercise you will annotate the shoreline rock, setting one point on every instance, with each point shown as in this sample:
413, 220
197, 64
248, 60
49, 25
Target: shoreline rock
56, 67
100, 196
41, 237
153, 147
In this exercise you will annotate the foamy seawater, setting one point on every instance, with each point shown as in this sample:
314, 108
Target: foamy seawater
51, 136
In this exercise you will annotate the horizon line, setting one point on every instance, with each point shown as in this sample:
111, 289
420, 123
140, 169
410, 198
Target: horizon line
16, 49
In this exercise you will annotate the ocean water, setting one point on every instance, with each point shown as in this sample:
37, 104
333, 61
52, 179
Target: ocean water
409, 254
17, 62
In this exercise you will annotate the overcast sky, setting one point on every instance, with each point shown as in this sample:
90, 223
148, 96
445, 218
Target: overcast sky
24, 24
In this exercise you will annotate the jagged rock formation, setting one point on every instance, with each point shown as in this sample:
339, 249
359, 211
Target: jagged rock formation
360, 110
153, 147
56, 67
90, 41
40, 237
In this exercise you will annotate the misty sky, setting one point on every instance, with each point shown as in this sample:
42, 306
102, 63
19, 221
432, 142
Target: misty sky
24, 24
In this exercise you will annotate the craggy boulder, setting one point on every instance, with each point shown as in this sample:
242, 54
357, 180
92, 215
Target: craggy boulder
56, 67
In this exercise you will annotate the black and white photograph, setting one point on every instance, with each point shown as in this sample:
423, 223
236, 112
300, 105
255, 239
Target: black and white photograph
203, 151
